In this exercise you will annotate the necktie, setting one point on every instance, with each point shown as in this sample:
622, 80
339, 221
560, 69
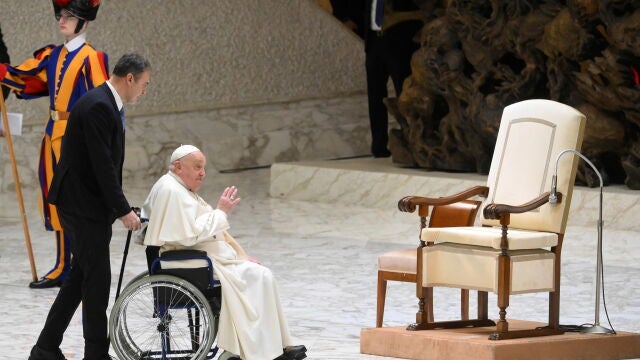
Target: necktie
122, 117
379, 12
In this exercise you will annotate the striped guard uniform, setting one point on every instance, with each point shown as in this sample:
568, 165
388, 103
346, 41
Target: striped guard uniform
64, 75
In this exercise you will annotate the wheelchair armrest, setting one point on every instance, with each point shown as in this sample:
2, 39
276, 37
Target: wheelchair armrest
178, 255
186, 254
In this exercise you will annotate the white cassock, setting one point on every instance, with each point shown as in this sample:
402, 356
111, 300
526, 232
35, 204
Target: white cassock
252, 324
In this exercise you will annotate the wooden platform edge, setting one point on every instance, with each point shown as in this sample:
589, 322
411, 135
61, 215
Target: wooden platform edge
463, 344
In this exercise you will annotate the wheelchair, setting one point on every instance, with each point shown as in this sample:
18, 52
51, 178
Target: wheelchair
168, 314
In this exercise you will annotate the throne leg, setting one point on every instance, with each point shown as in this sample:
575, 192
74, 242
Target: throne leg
425, 306
504, 279
464, 304
382, 294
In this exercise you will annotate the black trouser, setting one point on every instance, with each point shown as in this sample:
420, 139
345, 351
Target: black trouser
89, 282
388, 54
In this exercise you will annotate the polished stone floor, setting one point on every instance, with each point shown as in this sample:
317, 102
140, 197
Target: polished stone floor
324, 257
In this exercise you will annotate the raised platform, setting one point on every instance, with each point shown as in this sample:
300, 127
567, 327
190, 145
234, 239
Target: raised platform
473, 344
378, 183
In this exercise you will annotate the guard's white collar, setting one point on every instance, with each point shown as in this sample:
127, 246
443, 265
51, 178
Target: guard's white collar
76, 42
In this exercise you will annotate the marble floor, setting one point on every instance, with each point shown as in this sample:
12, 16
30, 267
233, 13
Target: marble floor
324, 257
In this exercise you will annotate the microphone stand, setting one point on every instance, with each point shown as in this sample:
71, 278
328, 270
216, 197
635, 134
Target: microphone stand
596, 328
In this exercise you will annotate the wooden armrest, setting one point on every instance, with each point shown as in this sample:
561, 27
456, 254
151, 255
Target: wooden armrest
498, 211
409, 203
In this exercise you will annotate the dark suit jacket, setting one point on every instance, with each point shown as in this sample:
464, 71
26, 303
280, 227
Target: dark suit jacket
88, 179
396, 6
353, 10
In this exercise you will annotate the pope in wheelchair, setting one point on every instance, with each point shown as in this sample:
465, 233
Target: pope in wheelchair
251, 322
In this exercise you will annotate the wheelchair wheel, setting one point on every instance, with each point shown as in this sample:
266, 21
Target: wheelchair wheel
162, 317
137, 277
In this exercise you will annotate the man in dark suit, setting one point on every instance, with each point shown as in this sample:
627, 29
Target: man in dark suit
390, 26
350, 13
87, 189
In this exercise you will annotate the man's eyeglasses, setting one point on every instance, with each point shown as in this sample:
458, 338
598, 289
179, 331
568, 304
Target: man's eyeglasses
66, 16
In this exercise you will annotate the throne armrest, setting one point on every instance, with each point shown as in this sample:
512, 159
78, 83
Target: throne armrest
409, 203
501, 211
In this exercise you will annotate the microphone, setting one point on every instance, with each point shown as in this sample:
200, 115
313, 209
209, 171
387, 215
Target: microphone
553, 196
595, 328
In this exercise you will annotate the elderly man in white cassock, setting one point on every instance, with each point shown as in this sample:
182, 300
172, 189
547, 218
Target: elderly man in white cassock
252, 324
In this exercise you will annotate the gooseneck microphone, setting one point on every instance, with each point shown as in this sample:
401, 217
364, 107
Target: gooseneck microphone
553, 196
594, 328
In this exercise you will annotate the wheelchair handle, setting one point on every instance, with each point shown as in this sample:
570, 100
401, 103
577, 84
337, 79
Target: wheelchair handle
138, 212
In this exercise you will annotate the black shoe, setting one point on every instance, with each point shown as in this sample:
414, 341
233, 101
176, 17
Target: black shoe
44, 283
38, 353
297, 352
229, 356
298, 356
381, 154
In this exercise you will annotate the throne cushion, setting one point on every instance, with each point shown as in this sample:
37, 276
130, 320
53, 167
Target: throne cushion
403, 260
490, 237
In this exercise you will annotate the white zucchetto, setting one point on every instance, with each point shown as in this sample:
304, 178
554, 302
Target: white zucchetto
182, 151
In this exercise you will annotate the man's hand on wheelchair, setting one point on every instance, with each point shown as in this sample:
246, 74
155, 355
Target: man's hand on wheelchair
228, 200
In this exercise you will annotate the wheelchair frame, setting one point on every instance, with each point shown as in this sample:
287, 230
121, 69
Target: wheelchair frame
167, 314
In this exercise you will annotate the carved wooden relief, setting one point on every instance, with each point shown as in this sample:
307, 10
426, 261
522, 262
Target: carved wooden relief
478, 56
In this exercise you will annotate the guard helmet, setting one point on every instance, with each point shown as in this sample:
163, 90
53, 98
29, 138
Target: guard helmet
82, 9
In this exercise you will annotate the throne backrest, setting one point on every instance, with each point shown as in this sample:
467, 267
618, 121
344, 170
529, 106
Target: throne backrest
532, 133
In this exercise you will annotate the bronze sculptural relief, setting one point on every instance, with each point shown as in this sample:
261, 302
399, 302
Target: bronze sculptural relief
478, 56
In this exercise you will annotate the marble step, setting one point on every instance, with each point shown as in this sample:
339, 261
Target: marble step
377, 183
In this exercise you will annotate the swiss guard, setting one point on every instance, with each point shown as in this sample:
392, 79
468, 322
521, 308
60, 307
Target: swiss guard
63, 73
